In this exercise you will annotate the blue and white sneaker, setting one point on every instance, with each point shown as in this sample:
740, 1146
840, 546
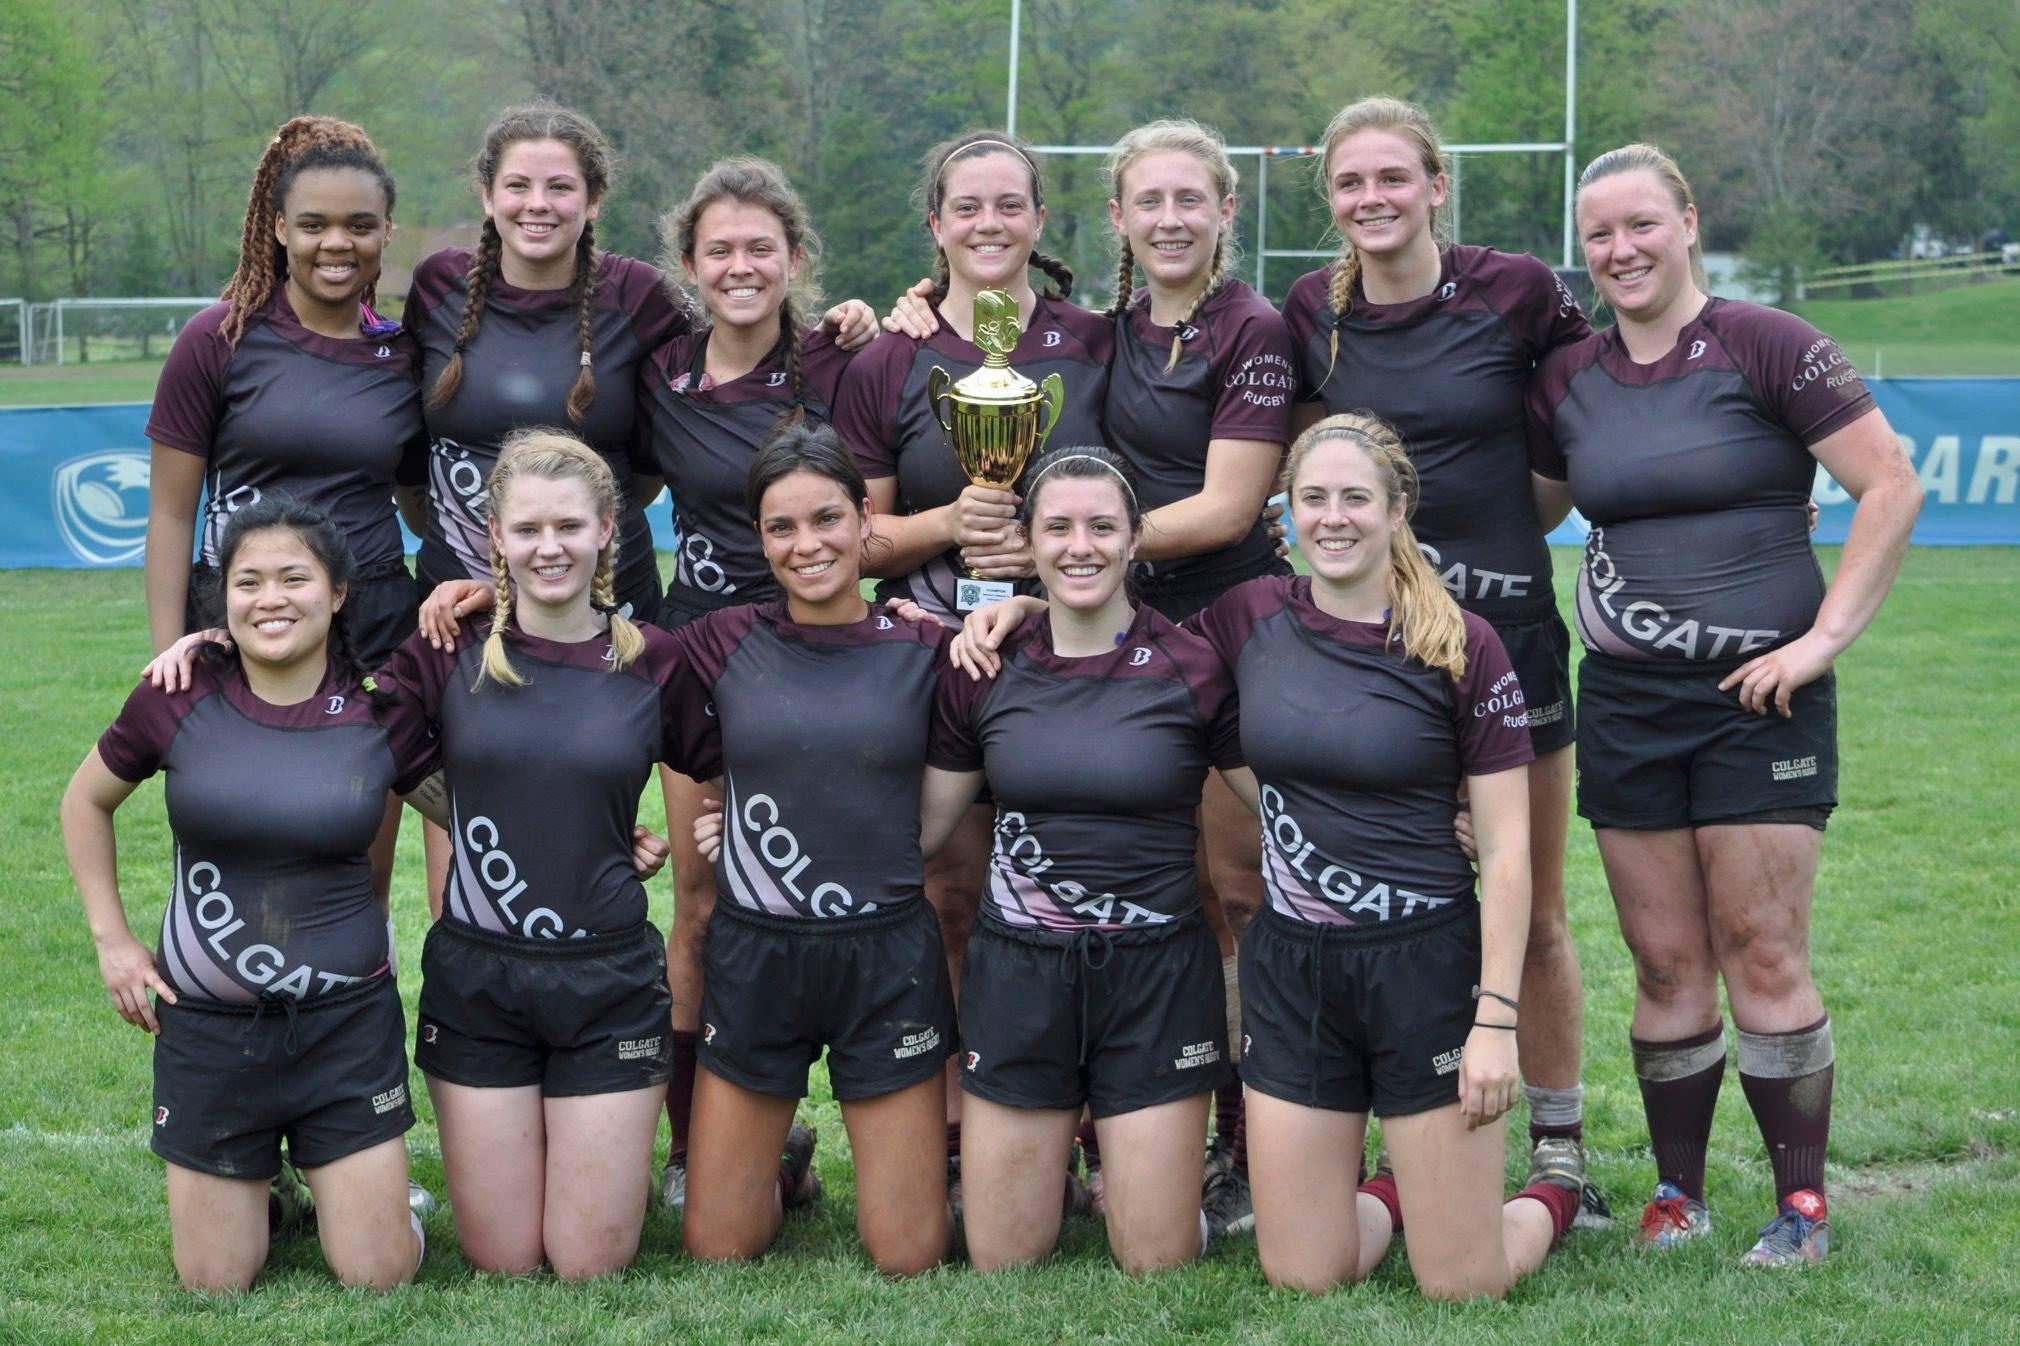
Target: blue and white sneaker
1800, 1232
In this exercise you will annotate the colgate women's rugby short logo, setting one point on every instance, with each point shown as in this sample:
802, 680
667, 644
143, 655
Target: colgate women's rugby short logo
101, 506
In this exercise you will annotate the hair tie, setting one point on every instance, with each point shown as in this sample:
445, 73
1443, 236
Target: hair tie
585, 359
1127, 489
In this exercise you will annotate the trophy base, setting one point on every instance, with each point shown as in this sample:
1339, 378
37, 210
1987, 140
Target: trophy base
970, 594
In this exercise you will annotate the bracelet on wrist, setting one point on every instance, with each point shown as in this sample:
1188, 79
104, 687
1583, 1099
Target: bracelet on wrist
1506, 1028
1482, 993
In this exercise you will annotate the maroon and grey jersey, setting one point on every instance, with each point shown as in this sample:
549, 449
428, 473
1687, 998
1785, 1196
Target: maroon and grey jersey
1359, 752
333, 423
1096, 765
1234, 380
1450, 371
819, 735
1695, 472
882, 414
701, 437
543, 779
517, 374
272, 809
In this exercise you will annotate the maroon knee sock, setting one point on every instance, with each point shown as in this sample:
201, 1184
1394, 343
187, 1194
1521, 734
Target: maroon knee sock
1788, 1079
953, 1140
1382, 1188
1561, 1202
1679, 1092
680, 1094
1227, 1109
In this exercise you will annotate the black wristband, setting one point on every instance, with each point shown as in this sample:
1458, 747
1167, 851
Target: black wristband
1480, 992
1506, 1028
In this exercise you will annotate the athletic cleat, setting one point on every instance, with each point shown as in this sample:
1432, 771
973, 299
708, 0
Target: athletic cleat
954, 1188
1560, 1160
798, 1161
1800, 1232
1097, 1190
1671, 1218
291, 1207
420, 1200
1225, 1200
673, 1185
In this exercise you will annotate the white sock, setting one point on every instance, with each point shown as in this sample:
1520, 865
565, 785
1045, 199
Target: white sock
1202, 1232
421, 1239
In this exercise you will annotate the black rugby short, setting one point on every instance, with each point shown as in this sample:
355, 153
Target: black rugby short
574, 1016
1118, 1019
872, 990
1664, 749
1359, 1018
328, 1073
1540, 654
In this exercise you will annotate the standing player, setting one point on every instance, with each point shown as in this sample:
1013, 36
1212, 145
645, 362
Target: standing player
1093, 980
1199, 402
276, 1013
1441, 341
823, 940
293, 385
983, 199
543, 1016
1689, 434
1368, 697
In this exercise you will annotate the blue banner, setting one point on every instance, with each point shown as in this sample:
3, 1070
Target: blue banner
73, 487
73, 480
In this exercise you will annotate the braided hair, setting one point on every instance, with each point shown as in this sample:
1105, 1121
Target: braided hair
555, 456
1203, 143
1378, 113
932, 190
301, 144
324, 541
752, 181
541, 120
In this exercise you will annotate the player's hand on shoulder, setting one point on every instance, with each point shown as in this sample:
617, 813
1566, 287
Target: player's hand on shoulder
974, 648
648, 852
905, 610
913, 313
1275, 528
852, 323
708, 829
442, 610
129, 974
170, 670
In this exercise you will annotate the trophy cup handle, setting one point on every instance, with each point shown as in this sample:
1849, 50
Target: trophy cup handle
938, 386
1053, 391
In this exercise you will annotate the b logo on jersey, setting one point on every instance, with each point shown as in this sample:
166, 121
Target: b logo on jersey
383, 352
777, 380
1696, 349
1447, 290
1053, 339
101, 506
161, 1116
883, 623
1188, 332
336, 706
1139, 656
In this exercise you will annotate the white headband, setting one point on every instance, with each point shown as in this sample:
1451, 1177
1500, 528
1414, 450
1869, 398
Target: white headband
1127, 489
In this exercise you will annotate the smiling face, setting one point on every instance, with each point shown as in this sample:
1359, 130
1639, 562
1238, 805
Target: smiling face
1637, 242
334, 228
1167, 211
1081, 539
1344, 519
741, 265
813, 537
278, 599
1382, 193
539, 201
987, 223
550, 535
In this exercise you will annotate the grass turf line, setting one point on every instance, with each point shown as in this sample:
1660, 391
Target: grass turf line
1914, 950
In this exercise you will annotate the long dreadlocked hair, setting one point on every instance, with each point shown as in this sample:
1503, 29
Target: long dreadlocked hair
542, 120
554, 456
932, 190
1203, 143
301, 144
1423, 617
751, 181
1379, 113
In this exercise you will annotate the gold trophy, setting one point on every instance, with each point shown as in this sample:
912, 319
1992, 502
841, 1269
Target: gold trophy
992, 419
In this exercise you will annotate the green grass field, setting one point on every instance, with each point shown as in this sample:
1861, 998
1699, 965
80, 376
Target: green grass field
1915, 947
1966, 330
